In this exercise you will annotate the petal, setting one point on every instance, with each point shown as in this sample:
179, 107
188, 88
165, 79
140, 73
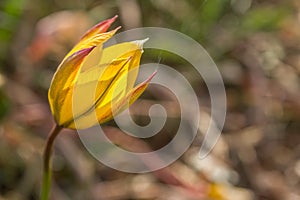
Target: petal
134, 94
86, 94
94, 40
91, 70
99, 28
123, 50
63, 78
102, 83
120, 50
104, 113
93, 59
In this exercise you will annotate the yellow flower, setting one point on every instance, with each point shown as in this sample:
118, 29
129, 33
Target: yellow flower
91, 83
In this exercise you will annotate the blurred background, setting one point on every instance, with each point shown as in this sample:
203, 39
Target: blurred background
256, 46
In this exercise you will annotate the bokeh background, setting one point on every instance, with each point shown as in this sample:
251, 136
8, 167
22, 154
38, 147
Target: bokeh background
256, 46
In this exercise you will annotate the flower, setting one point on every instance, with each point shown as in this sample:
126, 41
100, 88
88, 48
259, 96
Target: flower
92, 84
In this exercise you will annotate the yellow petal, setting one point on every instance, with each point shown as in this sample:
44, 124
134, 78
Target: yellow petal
127, 49
98, 60
113, 84
121, 50
94, 40
134, 94
86, 94
63, 77
96, 72
100, 84
103, 113
92, 60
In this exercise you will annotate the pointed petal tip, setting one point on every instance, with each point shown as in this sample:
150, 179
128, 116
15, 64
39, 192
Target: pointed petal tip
141, 43
115, 30
144, 40
119, 27
106, 23
115, 17
139, 89
150, 77
109, 21
101, 27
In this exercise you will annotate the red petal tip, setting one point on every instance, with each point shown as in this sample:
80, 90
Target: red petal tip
115, 17
151, 77
108, 22
153, 74
101, 27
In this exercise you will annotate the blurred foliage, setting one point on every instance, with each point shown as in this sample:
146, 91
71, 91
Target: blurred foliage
265, 18
255, 44
10, 13
4, 105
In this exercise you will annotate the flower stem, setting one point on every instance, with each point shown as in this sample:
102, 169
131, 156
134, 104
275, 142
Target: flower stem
47, 161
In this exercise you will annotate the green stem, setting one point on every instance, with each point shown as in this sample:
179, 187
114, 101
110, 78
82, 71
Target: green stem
47, 161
